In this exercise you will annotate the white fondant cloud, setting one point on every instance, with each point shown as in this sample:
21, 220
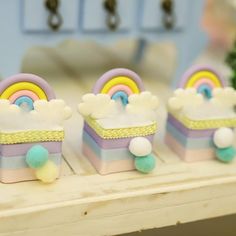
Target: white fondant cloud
184, 98
196, 107
144, 103
140, 111
97, 106
224, 96
47, 115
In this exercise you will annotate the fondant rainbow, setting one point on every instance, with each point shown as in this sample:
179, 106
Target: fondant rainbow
25, 88
203, 78
119, 84
191, 137
108, 148
16, 164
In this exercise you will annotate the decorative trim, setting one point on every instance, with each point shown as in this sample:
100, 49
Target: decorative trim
31, 136
204, 124
121, 132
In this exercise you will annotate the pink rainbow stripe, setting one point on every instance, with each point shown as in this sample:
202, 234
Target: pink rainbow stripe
21, 93
120, 87
204, 81
115, 73
195, 69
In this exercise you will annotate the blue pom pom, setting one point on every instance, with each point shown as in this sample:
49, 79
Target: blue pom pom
37, 156
145, 164
226, 154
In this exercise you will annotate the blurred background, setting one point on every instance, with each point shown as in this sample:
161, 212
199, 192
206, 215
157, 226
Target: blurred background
158, 38
73, 43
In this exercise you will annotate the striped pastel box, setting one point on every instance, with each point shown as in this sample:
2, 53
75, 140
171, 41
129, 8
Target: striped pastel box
106, 143
31, 134
201, 117
12, 160
109, 153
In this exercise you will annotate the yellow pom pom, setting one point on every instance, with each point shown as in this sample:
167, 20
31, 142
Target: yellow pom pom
48, 172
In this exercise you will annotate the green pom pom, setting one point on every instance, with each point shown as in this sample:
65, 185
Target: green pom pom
37, 156
226, 154
145, 164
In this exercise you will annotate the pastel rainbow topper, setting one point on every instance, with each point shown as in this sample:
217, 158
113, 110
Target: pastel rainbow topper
119, 84
25, 89
203, 78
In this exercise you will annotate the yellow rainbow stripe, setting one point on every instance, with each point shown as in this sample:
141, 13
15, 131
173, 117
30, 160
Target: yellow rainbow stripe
203, 74
23, 86
120, 80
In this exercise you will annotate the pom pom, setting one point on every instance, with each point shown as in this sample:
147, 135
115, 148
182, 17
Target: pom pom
37, 156
226, 154
223, 137
140, 146
48, 173
145, 164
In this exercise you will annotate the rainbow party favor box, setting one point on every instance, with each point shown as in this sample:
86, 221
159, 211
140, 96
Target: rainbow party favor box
31, 130
119, 123
202, 117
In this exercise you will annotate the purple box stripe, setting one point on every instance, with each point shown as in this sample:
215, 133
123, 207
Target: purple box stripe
110, 143
189, 132
8, 150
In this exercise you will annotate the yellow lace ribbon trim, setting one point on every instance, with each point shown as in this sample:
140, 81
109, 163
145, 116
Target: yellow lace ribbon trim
122, 132
31, 136
204, 124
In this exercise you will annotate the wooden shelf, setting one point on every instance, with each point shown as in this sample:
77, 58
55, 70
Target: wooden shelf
84, 203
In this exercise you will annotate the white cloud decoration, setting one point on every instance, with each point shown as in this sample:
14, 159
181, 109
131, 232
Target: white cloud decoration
47, 115
224, 96
97, 106
184, 98
144, 104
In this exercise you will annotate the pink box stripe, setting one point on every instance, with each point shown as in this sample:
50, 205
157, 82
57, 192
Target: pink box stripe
189, 155
104, 167
19, 175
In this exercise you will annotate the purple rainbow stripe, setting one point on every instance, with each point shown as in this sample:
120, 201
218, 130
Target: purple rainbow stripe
195, 69
28, 78
115, 73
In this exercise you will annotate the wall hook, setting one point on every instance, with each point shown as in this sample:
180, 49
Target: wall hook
168, 18
113, 18
54, 19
